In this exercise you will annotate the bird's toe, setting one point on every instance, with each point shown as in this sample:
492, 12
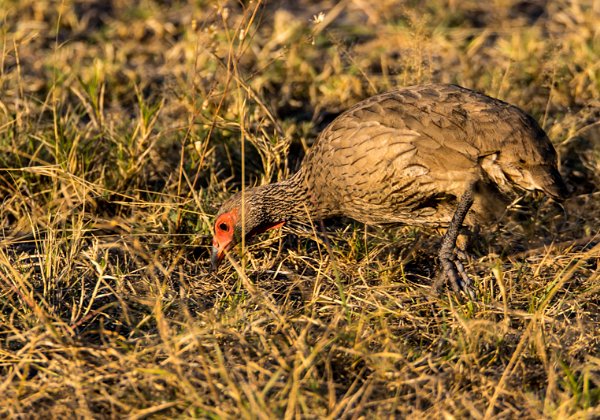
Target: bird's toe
453, 273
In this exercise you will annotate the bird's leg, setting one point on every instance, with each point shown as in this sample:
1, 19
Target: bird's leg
452, 267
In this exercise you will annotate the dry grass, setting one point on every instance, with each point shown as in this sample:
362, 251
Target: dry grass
123, 125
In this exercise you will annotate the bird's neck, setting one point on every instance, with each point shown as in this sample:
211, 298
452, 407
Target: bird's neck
292, 198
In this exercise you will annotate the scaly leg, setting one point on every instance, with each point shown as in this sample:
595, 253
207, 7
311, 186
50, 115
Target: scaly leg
452, 268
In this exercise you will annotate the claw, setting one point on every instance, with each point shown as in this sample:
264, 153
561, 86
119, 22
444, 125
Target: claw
453, 272
466, 282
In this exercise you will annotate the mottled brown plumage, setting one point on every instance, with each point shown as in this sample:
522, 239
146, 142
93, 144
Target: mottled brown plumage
420, 155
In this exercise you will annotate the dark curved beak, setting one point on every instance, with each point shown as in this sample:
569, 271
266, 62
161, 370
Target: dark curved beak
220, 246
216, 257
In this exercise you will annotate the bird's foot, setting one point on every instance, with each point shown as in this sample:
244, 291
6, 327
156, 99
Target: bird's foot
453, 271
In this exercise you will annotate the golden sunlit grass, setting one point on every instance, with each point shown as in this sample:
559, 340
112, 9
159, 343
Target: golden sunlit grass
124, 125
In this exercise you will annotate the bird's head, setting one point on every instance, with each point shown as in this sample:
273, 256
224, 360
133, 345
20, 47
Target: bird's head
232, 223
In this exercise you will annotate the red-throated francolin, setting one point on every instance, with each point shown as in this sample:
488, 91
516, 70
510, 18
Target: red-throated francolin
435, 155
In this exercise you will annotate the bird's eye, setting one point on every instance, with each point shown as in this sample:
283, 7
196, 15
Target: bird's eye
224, 227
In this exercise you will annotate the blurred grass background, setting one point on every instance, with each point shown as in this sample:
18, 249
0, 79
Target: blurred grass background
125, 124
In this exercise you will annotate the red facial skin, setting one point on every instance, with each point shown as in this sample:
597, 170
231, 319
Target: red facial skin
223, 239
224, 235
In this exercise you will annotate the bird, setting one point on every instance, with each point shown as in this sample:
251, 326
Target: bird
432, 155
